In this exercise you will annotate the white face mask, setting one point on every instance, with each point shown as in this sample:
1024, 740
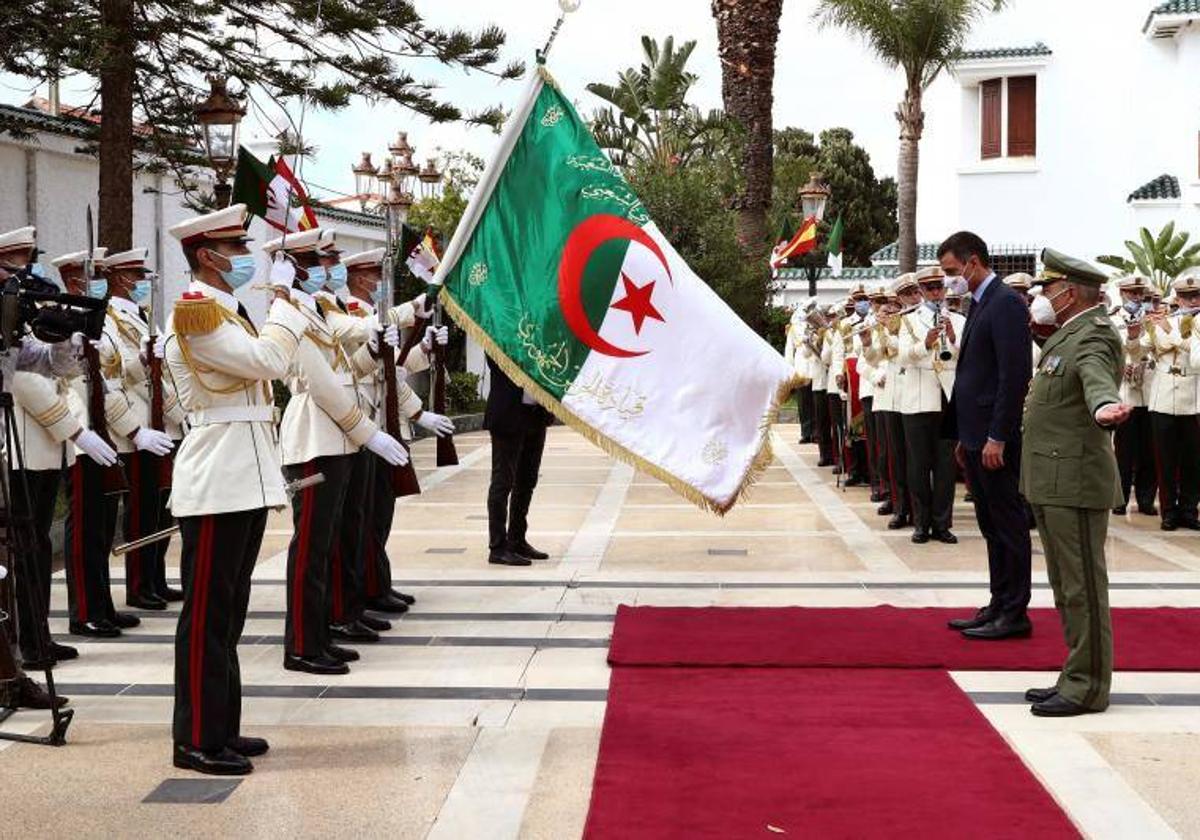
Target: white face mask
1042, 310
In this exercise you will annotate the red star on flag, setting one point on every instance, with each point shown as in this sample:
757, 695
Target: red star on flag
637, 303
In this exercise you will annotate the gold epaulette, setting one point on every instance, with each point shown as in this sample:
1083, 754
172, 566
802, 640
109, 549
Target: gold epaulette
197, 316
327, 307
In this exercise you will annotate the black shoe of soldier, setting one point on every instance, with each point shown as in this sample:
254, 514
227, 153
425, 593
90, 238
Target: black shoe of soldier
102, 629
224, 762
1190, 522
524, 549
1148, 510
404, 596
1059, 706
504, 557
340, 653
897, 522
146, 602
885, 509
62, 653
38, 664
125, 621
1170, 522
1041, 695
170, 594
249, 747
387, 604
354, 631
372, 623
30, 695
944, 535
1119, 510
314, 664
920, 536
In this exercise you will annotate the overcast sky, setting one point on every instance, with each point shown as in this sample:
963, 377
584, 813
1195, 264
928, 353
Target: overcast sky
823, 79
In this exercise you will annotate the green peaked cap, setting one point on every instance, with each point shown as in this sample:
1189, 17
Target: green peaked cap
1058, 266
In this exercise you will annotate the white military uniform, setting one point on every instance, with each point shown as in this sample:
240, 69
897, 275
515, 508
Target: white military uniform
926, 377
127, 332
1175, 388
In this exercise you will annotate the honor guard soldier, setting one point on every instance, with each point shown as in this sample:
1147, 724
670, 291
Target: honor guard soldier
928, 349
809, 354
877, 352
1133, 439
322, 429
364, 286
1069, 473
123, 357
908, 297
868, 392
796, 333
1174, 403
845, 362
226, 477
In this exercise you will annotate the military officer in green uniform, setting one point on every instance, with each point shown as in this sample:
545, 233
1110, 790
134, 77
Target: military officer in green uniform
1069, 472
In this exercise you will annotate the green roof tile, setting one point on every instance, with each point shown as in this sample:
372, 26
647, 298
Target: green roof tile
15, 118
1173, 7
1038, 49
926, 253
1162, 188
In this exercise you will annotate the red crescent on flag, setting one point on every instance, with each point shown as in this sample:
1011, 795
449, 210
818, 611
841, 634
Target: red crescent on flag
587, 236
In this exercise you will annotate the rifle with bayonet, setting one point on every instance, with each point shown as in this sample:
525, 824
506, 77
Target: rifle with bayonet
113, 476
404, 477
154, 377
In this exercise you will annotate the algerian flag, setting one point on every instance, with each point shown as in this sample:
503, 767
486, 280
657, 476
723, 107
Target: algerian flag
557, 269
833, 246
272, 191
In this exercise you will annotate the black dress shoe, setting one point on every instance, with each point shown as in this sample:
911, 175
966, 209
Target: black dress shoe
387, 604
1148, 510
38, 664
943, 535
1119, 510
355, 631
1059, 706
1041, 695
373, 623
125, 621
146, 602
340, 653
920, 536
982, 616
877, 496
62, 653
224, 762
969, 497
170, 594
31, 695
1191, 523
504, 557
524, 549
1001, 627
1170, 522
855, 481
837, 470
404, 596
314, 664
885, 509
249, 747
102, 629
824, 463
898, 522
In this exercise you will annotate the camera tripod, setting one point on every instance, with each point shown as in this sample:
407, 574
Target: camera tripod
15, 542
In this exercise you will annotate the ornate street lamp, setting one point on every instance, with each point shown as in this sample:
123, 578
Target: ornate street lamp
430, 177
365, 173
219, 116
813, 197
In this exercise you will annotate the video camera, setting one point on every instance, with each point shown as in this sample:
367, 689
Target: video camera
30, 303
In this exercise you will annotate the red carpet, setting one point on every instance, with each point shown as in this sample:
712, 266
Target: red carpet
736, 753
1144, 639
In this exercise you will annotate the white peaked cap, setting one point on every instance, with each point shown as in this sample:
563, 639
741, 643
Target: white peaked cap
299, 242
25, 237
226, 224
133, 258
365, 258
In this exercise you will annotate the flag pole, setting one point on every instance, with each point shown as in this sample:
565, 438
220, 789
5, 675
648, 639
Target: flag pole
567, 7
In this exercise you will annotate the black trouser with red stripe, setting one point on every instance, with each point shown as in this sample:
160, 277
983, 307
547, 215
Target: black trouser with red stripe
869, 433
90, 528
1177, 455
219, 551
1135, 458
381, 502
821, 426
316, 514
143, 507
897, 452
35, 512
804, 404
347, 571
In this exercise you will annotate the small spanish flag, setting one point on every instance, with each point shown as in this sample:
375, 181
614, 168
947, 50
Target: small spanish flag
804, 241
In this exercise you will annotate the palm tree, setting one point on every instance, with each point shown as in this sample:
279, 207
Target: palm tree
920, 37
1160, 259
747, 31
650, 119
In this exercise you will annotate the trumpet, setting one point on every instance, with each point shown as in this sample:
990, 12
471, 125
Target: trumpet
945, 354
891, 320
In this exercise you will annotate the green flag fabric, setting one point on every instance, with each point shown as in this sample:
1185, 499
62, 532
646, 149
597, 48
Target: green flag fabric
559, 272
834, 243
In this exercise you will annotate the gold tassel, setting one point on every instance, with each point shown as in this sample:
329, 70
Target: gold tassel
197, 317
326, 307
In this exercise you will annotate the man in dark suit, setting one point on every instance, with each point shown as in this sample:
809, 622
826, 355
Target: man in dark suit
994, 368
517, 426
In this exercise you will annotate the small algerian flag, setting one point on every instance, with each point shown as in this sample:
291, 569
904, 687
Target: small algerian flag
557, 269
271, 190
833, 246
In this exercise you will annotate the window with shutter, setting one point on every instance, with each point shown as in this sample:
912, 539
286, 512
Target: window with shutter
989, 120
1022, 116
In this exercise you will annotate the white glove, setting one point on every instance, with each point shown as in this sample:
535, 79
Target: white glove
95, 448
419, 309
153, 441
283, 272
439, 424
160, 347
388, 448
439, 334
391, 337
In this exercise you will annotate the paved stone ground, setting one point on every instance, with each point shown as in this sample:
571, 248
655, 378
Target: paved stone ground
479, 716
